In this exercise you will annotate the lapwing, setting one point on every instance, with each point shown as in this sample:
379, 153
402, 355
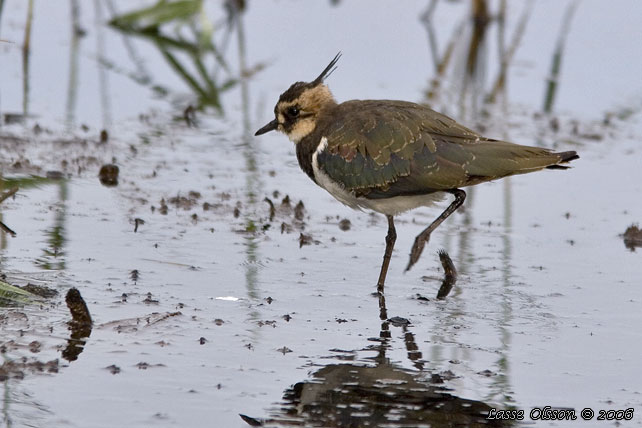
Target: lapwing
393, 156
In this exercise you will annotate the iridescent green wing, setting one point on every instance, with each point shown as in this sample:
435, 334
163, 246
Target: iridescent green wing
379, 146
391, 148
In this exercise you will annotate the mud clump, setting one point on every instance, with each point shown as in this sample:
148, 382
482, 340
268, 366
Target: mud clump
16, 369
134, 275
632, 237
163, 207
304, 240
40, 290
299, 211
272, 209
108, 175
149, 300
55, 175
104, 136
185, 202
113, 369
450, 274
80, 325
79, 312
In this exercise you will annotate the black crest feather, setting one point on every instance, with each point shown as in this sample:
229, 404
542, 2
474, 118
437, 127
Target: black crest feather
328, 70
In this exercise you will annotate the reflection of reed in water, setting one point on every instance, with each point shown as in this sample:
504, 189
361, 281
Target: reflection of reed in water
26, 50
53, 257
77, 33
253, 184
462, 63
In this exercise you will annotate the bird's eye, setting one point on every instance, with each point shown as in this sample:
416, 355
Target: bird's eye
293, 111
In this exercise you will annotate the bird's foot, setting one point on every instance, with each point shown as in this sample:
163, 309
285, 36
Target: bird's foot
417, 248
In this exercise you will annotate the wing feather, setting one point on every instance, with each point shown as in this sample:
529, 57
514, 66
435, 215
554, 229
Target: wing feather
388, 148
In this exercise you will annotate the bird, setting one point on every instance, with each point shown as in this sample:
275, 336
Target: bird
393, 156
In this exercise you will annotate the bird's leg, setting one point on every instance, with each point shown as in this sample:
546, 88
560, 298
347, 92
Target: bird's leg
423, 237
383, 312
391, 237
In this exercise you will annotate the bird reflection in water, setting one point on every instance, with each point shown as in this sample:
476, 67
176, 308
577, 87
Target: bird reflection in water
377, 392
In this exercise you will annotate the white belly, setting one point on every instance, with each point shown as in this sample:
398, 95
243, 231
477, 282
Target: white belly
389, 206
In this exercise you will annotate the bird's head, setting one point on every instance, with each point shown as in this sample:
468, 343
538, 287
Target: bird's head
297, 111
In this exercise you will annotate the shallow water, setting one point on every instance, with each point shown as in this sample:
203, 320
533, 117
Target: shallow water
227, 314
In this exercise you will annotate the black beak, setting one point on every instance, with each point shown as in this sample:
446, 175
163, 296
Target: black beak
269, 127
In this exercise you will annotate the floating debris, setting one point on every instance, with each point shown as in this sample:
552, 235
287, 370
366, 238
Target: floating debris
104, 136
399, 321
16, 368
632, 237
487, 373
163, 207
150, 301
286, 228
420, 297
80, 325
185, 202
307, 240
267, 322
108, 175
55, 175
189, 116
299, 211
345, 224
113, 369
40, 290
450, 274
144, 365
272, 209
35, 346
78, 308
137, 222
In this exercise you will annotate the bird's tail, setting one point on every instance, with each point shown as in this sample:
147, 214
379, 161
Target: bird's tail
494, 159
565, 157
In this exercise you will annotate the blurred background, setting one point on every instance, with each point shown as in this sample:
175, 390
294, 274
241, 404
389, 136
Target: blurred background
222, 281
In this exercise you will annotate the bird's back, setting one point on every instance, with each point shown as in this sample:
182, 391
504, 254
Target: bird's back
384, 148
